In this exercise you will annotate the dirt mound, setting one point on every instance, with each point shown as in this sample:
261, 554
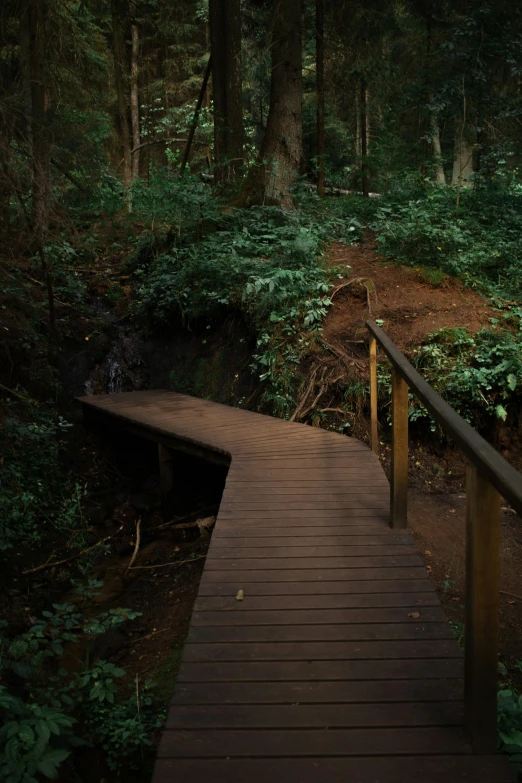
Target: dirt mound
410, 305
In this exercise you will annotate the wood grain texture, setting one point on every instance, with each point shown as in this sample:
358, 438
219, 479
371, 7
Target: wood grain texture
338, 664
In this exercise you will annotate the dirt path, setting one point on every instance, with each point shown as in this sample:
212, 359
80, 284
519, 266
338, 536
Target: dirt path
410, 306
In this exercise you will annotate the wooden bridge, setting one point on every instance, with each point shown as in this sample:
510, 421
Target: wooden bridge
339, 665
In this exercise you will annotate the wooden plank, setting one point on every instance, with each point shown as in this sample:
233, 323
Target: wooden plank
243, 577
283, 589
327, 495
309, 564
332, 692
298, 448
281, 505
322, 616
321, 651
366, 769
222, 541
274, 523
324, 716
289, 742
286, 602
243, 552
321, 513
321, 633
323, 495
252, 532
290, 487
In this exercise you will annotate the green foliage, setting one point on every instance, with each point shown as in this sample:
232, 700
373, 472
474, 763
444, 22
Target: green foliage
168, 201
474, 373
480, 242
263, 262
34, 739
510, 724
37, 728
127, 728
35, 492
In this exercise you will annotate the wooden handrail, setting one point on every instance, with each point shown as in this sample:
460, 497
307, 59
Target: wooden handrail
489, 476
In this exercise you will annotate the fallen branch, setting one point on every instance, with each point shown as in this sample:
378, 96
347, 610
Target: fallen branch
174, 563
137, 545
343, 356
16, 394
149, 635
304, 398
189, 524
364, 282
322, 390
73, 557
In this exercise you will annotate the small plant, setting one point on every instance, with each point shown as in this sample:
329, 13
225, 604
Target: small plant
35, 492
38, 732
474, 373
510, 724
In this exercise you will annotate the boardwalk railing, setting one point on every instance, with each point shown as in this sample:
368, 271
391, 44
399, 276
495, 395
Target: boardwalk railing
489, 477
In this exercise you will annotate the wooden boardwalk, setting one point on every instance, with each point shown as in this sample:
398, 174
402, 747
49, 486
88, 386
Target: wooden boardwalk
339, 665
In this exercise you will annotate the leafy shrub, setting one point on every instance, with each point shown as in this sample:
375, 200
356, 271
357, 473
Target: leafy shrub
265, 262
510, 724
37, 731
480, 242
178, 203
34, 494
480, 372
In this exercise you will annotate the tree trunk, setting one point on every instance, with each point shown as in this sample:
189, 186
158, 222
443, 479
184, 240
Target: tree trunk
358, 150
463, 162
270, 180
225, 43
319, 54
218, 44
364, 141
135, 108
234, 88
25, 68
119, 69
194, 125
440, 177
368, 119
41, 147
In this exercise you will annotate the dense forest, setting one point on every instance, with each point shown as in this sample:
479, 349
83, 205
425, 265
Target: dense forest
212, 197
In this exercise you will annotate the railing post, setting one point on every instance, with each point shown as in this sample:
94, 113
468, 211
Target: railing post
399, 460
374, 434
482, 607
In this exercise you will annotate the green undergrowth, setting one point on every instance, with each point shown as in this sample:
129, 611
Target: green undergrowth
478, 241
40, 501
48, 710
265, 263
479, 375
509, 712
